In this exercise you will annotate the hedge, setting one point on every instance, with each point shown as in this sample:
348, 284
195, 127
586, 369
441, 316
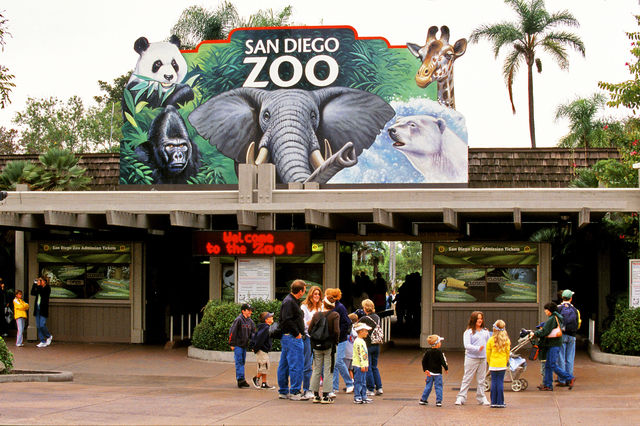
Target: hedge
622, 337
212, 333
6, 357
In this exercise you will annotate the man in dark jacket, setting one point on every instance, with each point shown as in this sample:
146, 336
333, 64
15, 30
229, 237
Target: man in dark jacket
292, 355
4, 303
240, 333
41, 290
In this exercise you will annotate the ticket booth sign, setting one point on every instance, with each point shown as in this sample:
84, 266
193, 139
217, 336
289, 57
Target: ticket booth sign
252, 243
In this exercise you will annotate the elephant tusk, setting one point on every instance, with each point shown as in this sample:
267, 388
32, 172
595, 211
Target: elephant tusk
250, 151
316, 159
263, 156
327, 149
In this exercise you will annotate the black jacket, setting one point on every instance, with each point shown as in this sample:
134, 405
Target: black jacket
291, 316
433, 360
44, 293
241, 331
262, 340
345, 322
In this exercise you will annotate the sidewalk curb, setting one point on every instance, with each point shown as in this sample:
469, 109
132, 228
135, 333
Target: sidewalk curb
605, 358
224, 356
36, 376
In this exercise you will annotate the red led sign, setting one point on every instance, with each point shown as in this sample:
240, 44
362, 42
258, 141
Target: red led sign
252, 243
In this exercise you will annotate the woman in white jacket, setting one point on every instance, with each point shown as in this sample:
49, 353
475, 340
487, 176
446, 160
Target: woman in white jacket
475, 358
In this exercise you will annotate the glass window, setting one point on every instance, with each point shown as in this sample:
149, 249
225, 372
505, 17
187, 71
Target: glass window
88, 281
486, 284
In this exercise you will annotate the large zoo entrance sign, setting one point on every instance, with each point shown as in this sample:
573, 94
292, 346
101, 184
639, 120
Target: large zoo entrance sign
320, 103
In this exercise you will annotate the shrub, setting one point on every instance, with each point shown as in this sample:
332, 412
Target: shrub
212, 333
622, 337
6, 357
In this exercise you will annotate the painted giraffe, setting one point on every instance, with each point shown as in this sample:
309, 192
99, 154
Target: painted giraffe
437, 57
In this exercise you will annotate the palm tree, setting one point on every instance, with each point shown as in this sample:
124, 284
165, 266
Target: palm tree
535, 28
583, 129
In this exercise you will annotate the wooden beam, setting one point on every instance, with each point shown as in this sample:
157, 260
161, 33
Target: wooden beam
390, 220
584, 217
326, 220
21, 220
189, 220
133, 220
450, 218
517, 218
74, 220
247, 218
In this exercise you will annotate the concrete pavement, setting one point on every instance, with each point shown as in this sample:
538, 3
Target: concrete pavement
139, 384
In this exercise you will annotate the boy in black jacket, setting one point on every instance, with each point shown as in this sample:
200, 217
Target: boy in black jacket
432, 364
239, 335
261, 347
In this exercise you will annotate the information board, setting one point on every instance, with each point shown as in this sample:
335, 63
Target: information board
634, 283
254, 279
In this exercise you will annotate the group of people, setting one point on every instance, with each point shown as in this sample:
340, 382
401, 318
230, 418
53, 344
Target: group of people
321, 343
41, 291
482, 348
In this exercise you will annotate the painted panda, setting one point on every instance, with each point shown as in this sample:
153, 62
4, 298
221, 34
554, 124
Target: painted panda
157, 78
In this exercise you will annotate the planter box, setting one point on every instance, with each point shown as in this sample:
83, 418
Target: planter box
606, 358
224, 356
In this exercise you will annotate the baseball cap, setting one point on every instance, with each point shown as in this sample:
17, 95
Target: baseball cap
568, 294
361, 326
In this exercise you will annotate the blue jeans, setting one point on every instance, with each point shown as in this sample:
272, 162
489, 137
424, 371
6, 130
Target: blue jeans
359, 384
340, 368
373, 374
552, 366
497, 387
239, 356
567, 353
41, 325
291, 365
431, 380
308, 359
20, 323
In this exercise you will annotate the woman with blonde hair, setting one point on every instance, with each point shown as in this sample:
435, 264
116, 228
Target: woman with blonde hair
311, 305
498, 349
374, 381
475, 340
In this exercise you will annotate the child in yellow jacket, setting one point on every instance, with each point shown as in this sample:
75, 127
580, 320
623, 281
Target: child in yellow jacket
20, 309
498, 350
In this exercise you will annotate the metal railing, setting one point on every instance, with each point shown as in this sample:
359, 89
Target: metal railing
180, 320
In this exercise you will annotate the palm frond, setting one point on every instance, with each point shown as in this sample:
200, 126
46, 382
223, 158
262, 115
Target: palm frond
565, 38
557, 51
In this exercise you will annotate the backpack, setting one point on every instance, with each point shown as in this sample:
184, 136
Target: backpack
570, 315
377, 335
320, 338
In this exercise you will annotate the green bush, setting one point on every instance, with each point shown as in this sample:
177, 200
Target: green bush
6, 357
622, 337
212, 333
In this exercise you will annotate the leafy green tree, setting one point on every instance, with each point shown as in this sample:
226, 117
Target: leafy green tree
627, 93
534, 31
8, 141
197, 23
409, 259
6, 83
584, 130
369, 253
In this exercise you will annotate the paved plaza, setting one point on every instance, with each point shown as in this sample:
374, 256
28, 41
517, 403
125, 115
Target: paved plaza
140, 384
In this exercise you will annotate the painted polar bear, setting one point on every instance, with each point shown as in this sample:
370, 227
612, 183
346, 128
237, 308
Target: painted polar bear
431, 147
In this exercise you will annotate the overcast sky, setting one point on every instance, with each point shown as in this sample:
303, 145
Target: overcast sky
62, 48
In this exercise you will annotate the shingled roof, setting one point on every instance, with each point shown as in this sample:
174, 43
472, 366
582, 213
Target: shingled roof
488, 167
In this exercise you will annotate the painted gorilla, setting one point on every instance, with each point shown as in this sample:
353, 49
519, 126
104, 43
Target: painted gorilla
169, 152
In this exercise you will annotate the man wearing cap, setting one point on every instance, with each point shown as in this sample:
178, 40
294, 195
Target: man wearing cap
239, 335
292, 355
571, 322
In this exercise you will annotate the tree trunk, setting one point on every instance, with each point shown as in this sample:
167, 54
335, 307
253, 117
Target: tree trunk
532, 128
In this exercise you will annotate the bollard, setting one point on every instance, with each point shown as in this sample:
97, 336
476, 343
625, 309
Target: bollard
189, 327
171, 328
181, 327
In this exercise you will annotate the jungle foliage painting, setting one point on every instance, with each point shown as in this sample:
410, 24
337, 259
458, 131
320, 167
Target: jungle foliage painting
320, 103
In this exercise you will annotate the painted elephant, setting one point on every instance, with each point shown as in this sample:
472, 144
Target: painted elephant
287, 125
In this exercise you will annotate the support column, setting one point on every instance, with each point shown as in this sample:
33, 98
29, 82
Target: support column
137, 293
215, 278
604, 285
331, 268
426, 322
544, 277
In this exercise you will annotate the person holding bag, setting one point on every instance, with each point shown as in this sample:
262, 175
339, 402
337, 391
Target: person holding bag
552, 334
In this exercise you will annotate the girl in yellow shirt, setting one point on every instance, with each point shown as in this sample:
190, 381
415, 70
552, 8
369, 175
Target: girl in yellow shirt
498, 349
20, 309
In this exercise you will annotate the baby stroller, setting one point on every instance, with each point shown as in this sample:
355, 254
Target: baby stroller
516, 366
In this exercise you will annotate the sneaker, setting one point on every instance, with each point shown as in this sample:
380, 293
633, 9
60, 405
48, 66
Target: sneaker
242, 383
460, 401
296, 397
256, 382
49, 339
438, 403
317, 399
20, 345
327, 400
423, 402
283, 396
370, 393
379, 391
485, 402
41, 345
308, 395
265, 385
367, 401
332, 395
545, 388
357, 401
349, 389
571, 383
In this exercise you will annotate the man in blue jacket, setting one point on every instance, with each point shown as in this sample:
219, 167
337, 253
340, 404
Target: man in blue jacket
240, 333
292, 356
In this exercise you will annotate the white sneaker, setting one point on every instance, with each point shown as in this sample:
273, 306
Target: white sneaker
484, 402
48, 342
41, 345
459, 401
370, 393
331, 394
379, 391
308, 395
283, 396
349, 389
296, 397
